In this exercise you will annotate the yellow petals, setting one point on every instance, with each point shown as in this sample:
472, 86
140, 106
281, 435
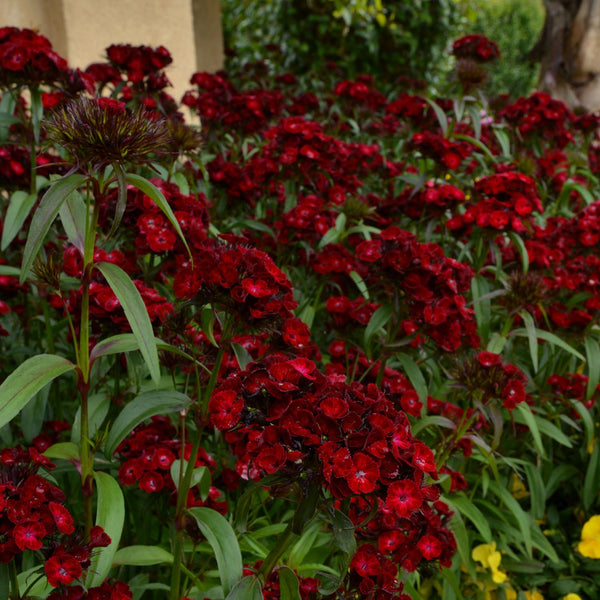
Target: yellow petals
572, 596
590, 538
498, 576
535, 595
489, 557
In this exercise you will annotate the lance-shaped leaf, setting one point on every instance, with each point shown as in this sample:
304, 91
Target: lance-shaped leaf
27, 380
142, 184
44, 216
139, 409
220, 535
289, 586
73, 215
248, 588
142, 556
19, 207
135, 312
110, 515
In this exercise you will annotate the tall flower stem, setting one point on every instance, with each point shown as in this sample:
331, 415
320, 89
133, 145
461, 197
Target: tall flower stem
186, 481
14, 582
87, 460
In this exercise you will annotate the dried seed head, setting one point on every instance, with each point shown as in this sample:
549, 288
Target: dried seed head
183, 139
101, 131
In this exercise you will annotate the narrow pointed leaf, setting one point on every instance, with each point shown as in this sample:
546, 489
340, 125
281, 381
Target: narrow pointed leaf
222, 538
44, 216
64, 450
148, 188
73, 215
289, 586
28, 379
110, 515
592, 351
19, 207
139, 409
246, 589
532, 337
461, 503
414, 375
135, 312
241, 354
121, 198
142, 556
377, 321
524, 416
552, 338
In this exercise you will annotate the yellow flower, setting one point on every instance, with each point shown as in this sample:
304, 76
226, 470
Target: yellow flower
589, 545
535, 595
490, 558
572, 596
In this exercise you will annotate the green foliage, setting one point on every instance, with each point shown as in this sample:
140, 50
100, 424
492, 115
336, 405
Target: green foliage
387, 38
515, 25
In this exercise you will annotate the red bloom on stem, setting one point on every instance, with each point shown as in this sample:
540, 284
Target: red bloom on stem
62, 569
28, 536
404, 497
430, 547
62, 517
364, 474
225, 408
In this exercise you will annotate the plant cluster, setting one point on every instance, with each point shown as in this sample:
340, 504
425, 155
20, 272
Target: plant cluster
349, 348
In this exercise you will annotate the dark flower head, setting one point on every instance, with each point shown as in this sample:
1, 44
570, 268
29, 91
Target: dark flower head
101, 131
183, 139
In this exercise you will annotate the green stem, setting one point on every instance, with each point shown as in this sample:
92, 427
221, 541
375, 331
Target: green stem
14, 582
185, 483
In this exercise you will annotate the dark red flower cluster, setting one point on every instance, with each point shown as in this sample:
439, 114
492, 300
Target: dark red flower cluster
242, 280
33, 517
27, 57
539, 115
282, 416
373, 576
360, 92
431, 284
501, 202
218, 101
140, 63
148, 454
445, 152
414, 109
486, 379
107, 591
154, 232
345, 311
477, 47
431, 201
308, 586
572, 386
15, 166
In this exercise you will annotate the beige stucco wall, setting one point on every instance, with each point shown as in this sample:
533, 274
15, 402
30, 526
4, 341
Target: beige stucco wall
80, 30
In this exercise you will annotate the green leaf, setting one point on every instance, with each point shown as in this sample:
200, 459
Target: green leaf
458, 527
200, 477
343, 531
64, 450
434, 420
524, 416
139, 409
414, 374
220, 535
148, 188
592, 352
110, 515
121, 198
37, 111
304, 544
591, 484
4, 580
135, 312
360, 284
306, 509
518, 242
532, 337
241, 354
27, 380
377, 321
524, 521
73, 215
44, 216
588, 421
98, 407
207, 320
536, 490
440, 114
465, 507
553, 431
289, 586
553, 339
247, 588
19, 207
142, 556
